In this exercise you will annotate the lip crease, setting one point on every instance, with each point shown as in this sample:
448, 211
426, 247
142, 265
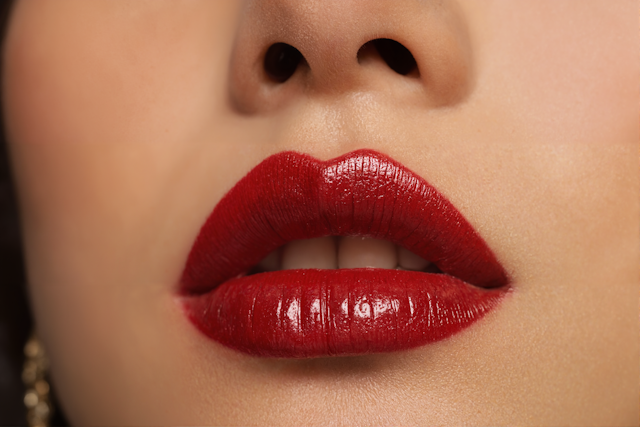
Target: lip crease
316, 313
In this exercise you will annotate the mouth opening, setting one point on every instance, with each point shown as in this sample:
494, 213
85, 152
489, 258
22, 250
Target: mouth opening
341, 252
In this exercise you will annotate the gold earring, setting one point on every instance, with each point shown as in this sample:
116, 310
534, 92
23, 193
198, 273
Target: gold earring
34, 372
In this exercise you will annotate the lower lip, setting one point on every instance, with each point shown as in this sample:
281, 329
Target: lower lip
314, 313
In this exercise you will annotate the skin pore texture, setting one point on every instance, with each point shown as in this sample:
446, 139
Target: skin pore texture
129, 120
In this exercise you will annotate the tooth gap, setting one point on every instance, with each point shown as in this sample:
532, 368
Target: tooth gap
393, 53
281, 62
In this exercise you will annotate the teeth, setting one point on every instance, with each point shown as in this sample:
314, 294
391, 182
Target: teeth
343, 252
311, 253
409, 261
358, 252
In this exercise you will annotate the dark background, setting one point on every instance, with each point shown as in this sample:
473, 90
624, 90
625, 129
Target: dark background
15, 321
15, 318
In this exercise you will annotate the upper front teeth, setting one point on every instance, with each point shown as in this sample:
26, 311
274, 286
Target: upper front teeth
311, 253
358, 252
342, 252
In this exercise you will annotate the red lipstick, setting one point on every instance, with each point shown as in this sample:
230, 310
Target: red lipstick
311, 312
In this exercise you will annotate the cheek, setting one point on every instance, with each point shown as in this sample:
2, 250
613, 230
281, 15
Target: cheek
561, 72
119, 95
106, 106
104, 73
87, 100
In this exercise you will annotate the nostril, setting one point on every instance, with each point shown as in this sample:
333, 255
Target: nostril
397, 57
281, 61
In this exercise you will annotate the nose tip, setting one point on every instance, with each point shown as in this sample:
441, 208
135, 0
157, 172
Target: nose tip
288, 49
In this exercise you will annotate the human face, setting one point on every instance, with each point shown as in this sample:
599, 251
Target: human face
128, 122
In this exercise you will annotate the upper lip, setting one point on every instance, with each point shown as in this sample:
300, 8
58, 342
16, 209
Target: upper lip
362, 193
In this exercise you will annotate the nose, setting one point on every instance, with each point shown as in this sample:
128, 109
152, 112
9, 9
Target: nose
417, 51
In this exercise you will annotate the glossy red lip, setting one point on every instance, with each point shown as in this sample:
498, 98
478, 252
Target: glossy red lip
308, 313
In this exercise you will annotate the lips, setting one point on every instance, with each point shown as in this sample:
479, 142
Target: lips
312, 312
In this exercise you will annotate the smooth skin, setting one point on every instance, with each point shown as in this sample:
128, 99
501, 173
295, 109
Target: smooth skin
128, 120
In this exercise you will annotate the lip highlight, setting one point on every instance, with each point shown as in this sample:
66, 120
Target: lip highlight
311, 312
